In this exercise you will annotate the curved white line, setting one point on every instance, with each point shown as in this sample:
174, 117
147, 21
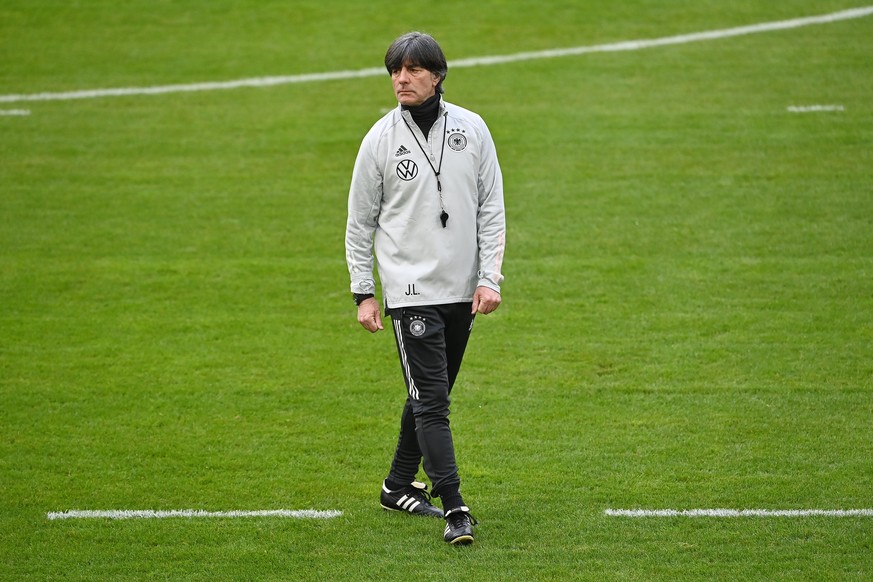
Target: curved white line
631, 45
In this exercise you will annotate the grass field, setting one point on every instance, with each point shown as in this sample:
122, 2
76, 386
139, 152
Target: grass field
687, 316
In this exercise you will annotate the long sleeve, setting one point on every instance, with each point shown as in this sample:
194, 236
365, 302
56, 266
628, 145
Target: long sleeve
365, 195
491, 219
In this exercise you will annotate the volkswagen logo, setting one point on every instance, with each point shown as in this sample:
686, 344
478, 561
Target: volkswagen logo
407, 170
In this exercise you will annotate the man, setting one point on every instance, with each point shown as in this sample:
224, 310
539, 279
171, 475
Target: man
426, 198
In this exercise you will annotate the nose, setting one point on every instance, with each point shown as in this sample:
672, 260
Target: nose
402, 75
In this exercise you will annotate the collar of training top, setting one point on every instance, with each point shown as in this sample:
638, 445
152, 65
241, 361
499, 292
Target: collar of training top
426, 114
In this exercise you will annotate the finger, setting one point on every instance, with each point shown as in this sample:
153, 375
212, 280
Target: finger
475, 304
377, 319
487, 307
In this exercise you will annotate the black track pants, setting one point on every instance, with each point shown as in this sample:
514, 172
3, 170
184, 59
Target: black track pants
431, 341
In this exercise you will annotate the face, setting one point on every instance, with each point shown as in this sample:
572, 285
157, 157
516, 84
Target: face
413, 85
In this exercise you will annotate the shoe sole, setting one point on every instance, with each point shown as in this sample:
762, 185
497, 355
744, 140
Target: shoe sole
462, 541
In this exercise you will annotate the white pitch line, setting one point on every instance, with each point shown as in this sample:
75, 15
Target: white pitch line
814, 108
738, 512
15, 112
191, 513
631, 45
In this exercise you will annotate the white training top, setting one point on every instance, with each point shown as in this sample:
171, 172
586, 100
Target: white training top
395, 203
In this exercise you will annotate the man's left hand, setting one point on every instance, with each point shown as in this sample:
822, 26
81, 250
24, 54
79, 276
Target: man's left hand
485, 300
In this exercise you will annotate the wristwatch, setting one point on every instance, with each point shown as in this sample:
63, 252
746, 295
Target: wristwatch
361, 297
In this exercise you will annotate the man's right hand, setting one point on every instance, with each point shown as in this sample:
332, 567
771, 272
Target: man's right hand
369, 315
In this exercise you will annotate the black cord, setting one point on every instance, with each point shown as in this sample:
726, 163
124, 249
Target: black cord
444, 216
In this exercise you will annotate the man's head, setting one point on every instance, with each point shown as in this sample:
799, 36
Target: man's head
417, 67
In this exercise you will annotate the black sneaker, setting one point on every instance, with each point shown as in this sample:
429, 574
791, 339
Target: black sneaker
459, 526
413, 498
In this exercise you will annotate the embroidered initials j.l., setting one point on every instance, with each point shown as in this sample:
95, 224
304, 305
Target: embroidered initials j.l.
410, 290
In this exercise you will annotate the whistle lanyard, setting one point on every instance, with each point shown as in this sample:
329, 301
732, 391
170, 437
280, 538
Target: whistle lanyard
444, 216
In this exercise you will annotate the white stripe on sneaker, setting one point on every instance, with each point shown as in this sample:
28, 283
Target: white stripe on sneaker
410, 503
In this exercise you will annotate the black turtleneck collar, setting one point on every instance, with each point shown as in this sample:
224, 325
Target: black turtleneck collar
426, 114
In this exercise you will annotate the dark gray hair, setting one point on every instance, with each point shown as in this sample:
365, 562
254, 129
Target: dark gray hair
418, 50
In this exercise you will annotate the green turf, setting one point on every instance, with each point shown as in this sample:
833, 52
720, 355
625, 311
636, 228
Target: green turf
687, 317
